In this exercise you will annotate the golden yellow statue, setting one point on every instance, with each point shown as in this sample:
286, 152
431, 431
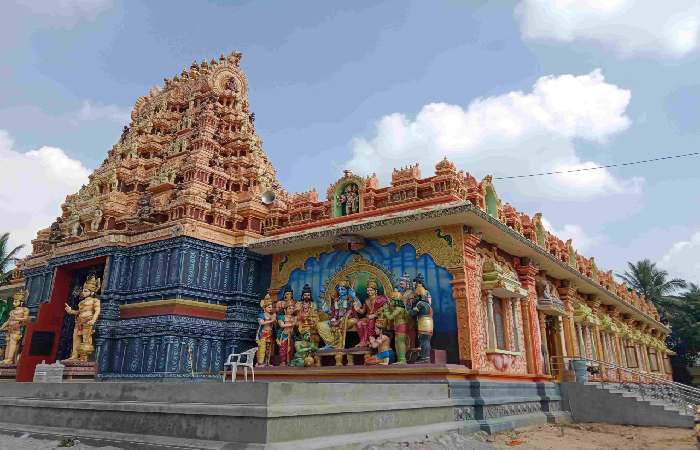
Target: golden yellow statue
86, 315
14, 327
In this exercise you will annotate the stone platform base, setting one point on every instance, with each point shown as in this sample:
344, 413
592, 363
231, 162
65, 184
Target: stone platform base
8, 371
76, 370
281, 415
379, 373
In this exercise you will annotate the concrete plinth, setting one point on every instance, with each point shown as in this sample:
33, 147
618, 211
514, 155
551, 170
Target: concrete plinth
262, 414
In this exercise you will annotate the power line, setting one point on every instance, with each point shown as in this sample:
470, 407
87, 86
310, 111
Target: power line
556, 172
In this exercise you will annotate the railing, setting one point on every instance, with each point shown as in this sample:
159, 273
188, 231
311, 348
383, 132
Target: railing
648, 386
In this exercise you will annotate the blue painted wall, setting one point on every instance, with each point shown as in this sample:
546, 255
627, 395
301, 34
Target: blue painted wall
396, 261
182, 267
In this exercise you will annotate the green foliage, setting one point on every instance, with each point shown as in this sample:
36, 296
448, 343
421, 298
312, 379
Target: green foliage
652, 282
684, 319
5, 308
8, 258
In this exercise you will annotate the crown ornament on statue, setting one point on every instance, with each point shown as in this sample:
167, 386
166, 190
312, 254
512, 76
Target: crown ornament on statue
92, 284
20, 295
266, 301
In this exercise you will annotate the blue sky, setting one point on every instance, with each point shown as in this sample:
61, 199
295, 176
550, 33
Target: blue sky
501, 88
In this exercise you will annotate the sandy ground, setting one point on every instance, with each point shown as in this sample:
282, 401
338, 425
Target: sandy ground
594, 436
543, 437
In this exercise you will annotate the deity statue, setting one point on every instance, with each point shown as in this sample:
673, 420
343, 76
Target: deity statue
56, 233
14, 327
76, 228
231, 85
405, 289
96, 220
349, 200
341, 316
264, 336
307, 316
382, 342
372, 309
285, 332
144, 207
86, 315
305, 352
396, 313
422, 309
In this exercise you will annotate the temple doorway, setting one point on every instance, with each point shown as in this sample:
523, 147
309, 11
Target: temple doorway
554, 344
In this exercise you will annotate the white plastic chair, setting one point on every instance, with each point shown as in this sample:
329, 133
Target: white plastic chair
245, 360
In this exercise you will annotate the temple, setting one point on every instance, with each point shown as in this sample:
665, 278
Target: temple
184, 247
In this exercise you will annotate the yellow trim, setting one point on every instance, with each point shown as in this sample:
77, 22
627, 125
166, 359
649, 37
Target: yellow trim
173, 302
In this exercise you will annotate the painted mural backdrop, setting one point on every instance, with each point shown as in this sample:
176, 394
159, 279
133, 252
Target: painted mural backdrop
394, 262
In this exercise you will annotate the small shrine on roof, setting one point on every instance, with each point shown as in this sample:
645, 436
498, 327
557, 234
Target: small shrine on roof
184, 247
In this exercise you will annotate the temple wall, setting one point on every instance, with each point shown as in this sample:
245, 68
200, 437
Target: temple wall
168, 308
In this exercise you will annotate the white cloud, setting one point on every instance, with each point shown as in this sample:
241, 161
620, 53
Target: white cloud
89, 112
510, 134
683, 259
32, 186
665, 28
581, 240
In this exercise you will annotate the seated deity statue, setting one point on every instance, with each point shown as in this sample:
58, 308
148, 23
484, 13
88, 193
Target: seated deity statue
382, 342
341, 316
307, 315
373, 314
304, 352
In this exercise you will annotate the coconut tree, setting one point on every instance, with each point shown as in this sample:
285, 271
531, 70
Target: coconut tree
8, 258
654, 283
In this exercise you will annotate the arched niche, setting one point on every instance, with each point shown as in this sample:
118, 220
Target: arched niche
345, 195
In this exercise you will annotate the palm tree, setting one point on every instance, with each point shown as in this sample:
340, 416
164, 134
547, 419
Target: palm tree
7, 258
652, 282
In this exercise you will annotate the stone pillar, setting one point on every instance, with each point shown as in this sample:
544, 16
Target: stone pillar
581, 341
562, 337
466, 290
567, 293
516, 329
527, 271
543, 341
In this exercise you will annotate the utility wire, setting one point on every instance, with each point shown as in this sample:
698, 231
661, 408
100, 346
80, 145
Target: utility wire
556, 172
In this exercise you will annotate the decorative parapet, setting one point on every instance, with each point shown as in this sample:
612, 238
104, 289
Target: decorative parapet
584, 315
503, 282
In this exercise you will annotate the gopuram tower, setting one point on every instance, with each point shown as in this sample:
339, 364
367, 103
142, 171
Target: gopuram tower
162, 221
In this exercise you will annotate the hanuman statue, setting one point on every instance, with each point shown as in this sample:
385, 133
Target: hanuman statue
14, 327
85, 317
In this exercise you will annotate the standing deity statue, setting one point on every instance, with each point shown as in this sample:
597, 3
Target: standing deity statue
264, 337
422, 309
286, 322
56, 233
96, 220
85, 317
14, 327
307, 316
372, 309
349, 200
76, 228
397, 314
341, 316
